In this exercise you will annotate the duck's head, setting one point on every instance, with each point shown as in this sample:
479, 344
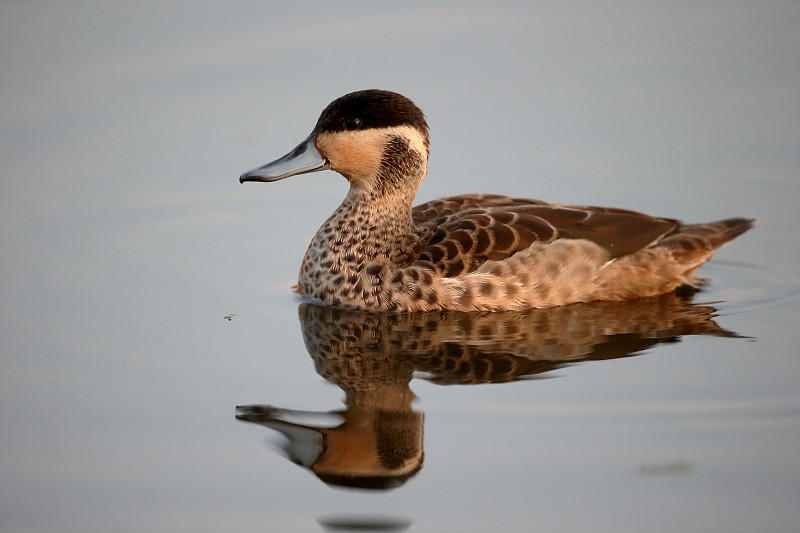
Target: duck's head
376, 139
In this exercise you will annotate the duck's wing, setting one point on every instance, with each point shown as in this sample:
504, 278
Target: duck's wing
469, 230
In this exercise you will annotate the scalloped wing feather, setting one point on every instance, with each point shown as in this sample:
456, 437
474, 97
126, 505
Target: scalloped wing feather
466, 236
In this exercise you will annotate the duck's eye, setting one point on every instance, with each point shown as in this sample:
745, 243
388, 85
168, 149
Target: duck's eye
352, 123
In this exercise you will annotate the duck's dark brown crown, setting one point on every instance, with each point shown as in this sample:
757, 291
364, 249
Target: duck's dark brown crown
374, 108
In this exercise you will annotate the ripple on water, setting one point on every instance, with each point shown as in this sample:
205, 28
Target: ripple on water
748, 287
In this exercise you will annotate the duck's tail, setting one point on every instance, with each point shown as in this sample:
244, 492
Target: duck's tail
669, 263
693, 244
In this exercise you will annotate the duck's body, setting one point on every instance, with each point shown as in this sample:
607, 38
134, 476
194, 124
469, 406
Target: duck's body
472, 252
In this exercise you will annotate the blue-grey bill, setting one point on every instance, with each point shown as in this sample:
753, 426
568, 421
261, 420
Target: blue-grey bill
303, 159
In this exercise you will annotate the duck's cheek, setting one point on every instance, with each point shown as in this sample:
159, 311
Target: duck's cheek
354, 154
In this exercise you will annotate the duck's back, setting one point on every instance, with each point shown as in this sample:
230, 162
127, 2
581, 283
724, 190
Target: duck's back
473, 229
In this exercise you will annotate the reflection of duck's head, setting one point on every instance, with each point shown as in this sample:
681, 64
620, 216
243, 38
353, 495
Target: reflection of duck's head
373, 449
369, 449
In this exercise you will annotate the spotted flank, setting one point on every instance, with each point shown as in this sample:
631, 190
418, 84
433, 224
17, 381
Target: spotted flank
476, 252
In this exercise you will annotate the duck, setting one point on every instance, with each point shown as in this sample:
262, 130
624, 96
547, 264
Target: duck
472, 252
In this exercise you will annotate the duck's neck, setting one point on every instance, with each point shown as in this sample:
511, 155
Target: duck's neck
367, 229
371, 226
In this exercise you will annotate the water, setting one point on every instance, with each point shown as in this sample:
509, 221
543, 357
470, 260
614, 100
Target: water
146, 295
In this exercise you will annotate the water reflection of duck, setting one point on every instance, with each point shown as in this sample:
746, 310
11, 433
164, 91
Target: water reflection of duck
472, 252
376, 441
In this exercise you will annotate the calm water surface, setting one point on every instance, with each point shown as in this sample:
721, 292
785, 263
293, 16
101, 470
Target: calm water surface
159, 375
